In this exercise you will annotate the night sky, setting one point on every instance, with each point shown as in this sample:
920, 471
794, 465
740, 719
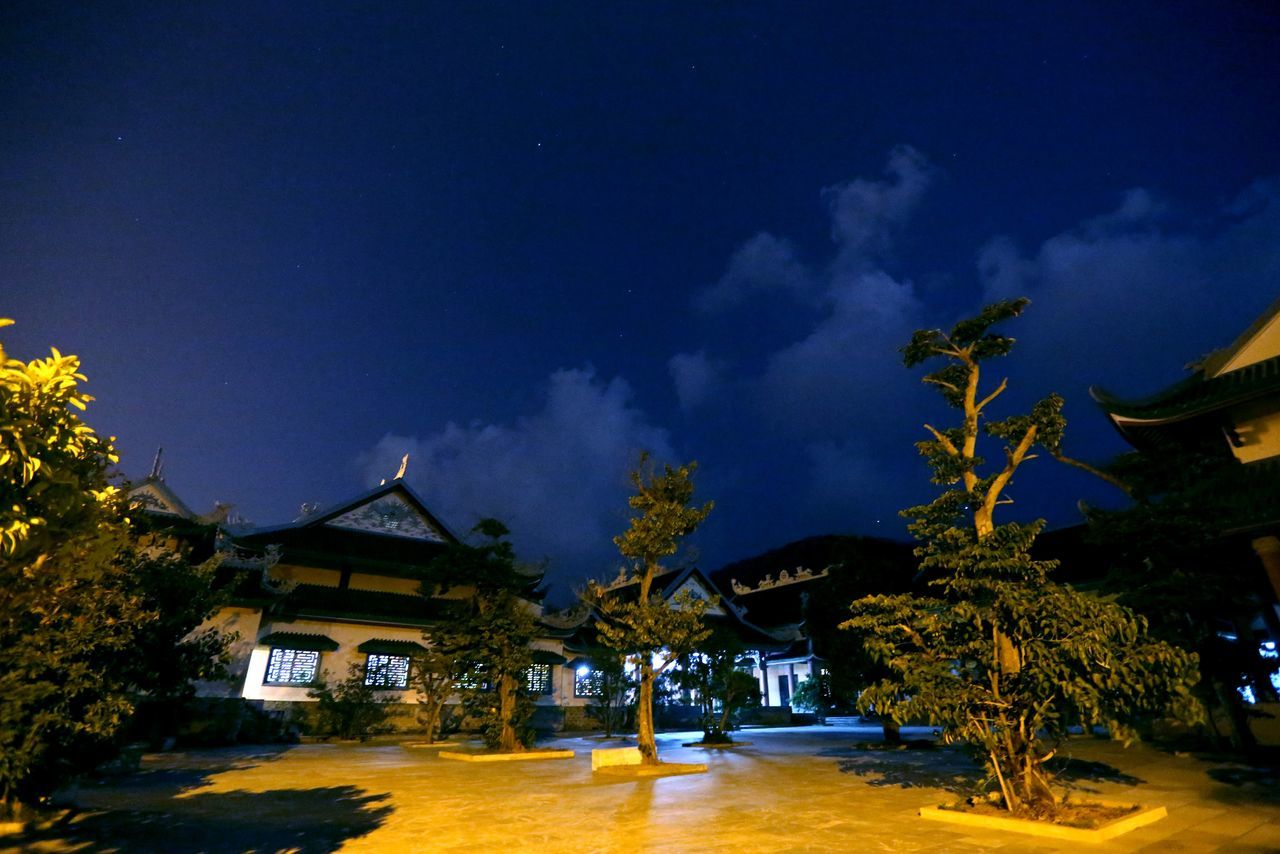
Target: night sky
522, 241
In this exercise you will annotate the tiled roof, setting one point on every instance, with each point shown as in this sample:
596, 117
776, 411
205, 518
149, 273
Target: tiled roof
297, 640
314, 600
1195, 395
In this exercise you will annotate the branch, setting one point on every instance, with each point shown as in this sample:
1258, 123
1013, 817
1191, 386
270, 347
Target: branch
1015, 459
1004, 383
947, 444
942, 383
1097, 472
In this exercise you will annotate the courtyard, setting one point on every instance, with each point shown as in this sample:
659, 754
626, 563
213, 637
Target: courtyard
794, 789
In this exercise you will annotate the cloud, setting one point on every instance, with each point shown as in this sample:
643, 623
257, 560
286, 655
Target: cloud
865, 214
557, 478
845, 372
834, 377
1111, 297
762, 264
694, 376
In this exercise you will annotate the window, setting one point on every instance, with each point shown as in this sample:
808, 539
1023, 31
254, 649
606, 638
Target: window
473, 678
586, 682
539, 678
292, 666
387, 671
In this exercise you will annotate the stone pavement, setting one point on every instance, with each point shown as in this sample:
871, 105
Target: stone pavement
802, 789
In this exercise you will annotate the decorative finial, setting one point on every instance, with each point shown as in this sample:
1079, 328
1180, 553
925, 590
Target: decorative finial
404, 464
157, 466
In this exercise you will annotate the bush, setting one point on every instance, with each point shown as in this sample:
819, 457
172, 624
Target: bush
350, 709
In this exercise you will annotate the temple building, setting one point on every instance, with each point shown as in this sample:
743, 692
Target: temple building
1229, 406
337, 589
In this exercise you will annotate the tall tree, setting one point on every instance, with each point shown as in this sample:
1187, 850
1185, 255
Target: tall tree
490, 630
653, 631
80, 591
1001, 656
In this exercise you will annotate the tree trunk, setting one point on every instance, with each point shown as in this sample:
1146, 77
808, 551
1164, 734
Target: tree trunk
432, 715
644, 718
507, 740
892, 732
1242, 737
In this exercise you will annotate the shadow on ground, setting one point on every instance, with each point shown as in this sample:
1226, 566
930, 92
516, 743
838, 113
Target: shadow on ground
1245, 781
304, 820
172, 771
1075, 772
943, 768
952, 770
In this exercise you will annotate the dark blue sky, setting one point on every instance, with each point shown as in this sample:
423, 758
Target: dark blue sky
521, 241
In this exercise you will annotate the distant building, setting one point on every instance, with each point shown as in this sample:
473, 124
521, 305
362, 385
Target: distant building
339, 586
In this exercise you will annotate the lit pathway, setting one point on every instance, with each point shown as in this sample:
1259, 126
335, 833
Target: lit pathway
792, 790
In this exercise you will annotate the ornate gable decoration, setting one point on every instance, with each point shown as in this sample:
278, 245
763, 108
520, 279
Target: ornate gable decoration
390, 514
785, 577
697, 591
152, 498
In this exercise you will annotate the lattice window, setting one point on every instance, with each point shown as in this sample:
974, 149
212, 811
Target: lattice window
472, 678
292, 666
386, 671
586, 682
539, 678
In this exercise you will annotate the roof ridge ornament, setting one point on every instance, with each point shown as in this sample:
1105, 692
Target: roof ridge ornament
404, 464
784, 577
157, 465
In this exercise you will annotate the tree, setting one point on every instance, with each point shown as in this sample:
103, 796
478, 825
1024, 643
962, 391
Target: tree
1001, 656
433, 673
352, 708
490, 631
615, 688
813, 694
169, 654
713, 672
1166, 550
651, 630
862, 567
77, 589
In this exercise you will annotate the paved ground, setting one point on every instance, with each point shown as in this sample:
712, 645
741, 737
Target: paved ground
803, 789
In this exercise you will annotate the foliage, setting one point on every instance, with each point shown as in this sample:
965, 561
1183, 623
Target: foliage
612, 706
93, 612
490, 630
1001, 656
865, 568
652, 631
713, 673
432, 674
813, 694
351, 708
169, 655
1166, 551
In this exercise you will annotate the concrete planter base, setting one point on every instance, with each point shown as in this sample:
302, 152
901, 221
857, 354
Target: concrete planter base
664, 769
526, 756
1110, 830
728, 746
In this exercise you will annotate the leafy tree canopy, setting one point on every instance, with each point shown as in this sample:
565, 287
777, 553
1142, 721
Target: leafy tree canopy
1001, 656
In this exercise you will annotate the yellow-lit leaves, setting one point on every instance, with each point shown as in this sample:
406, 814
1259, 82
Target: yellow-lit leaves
52, 465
